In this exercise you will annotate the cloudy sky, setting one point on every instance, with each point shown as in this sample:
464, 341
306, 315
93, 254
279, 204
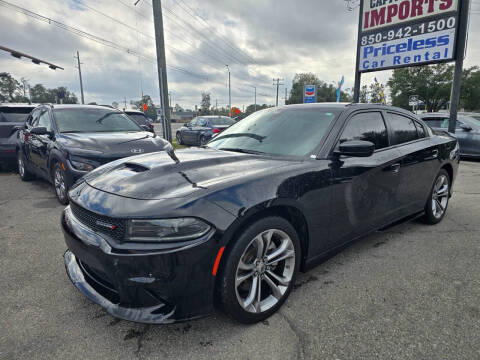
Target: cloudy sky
259, 40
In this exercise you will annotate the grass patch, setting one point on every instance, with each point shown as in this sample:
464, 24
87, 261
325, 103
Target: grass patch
176, 145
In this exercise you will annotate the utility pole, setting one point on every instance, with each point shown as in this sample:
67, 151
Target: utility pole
286, 95
278, 85
457, 78
229, 93
80, 74
162, 67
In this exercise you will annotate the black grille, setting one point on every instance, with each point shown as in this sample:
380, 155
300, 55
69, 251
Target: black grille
100, 223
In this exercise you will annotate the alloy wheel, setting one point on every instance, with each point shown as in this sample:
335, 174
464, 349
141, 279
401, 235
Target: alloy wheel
265, 271
59, 183
440, 196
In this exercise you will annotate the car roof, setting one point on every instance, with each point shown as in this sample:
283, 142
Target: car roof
17, 105
80, 106
133, 112
434, 115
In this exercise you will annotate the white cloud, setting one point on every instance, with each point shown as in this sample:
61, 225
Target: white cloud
276, 38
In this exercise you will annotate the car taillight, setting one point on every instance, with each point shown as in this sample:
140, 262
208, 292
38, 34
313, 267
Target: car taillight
216, 131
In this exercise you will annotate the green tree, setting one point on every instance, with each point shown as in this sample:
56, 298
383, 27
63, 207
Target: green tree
151, 111
431, 83
11, 90
470, 94
364, 94
205, 104
40, 94
325, 92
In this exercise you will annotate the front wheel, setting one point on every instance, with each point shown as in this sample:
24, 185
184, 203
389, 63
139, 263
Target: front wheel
203, 140
437, 202
60, 184
179, 138
260, 270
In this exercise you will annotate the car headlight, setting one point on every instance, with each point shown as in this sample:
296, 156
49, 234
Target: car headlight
82, 166
166, 230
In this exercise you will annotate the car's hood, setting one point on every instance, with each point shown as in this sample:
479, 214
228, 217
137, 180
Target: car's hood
157, 176
118, 144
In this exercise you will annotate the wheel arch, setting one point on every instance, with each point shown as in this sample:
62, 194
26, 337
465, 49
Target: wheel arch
55, 156
449, 169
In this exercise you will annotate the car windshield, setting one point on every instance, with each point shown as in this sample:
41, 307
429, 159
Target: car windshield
473, 120
286, 132
14, 114
139, 118
222, 121
84, 120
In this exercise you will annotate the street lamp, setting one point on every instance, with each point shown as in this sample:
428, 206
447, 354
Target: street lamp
229, 93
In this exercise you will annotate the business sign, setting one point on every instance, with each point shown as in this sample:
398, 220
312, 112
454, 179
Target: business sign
413, 100
310, 94
400, 33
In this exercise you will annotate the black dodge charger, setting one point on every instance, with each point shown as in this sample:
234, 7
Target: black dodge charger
61, 143
162, 237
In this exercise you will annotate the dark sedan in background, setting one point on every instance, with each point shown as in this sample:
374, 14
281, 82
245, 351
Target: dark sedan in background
12, 117
156, 240
467, 130
61, 143
140, 118
201, 129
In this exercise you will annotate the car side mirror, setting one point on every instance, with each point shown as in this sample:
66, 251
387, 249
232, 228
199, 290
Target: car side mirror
355, 148
466, 127
145, 127
40, 130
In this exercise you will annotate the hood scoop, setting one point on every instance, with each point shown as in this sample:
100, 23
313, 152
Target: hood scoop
137, 168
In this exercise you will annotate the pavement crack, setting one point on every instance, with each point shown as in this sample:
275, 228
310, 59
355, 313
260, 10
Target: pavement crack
299, 334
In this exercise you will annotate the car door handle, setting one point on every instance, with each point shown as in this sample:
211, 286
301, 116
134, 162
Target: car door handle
434, 153
395, 168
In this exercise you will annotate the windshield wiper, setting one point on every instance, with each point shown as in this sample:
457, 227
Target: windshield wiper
243, 151
250, 135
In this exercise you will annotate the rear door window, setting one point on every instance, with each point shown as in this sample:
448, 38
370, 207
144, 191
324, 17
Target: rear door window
366, 126
402, 129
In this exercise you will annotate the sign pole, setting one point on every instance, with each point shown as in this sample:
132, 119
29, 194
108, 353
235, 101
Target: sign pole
358, 74
460, 55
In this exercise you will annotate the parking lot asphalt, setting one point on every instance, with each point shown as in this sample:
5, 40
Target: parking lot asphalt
409, 292
174, 126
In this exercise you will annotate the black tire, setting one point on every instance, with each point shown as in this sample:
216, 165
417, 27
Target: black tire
203, 140
230, 293
179, 138
59, 184
437, 203
23, 171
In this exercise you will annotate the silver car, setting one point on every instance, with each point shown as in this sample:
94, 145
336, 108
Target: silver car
467, 130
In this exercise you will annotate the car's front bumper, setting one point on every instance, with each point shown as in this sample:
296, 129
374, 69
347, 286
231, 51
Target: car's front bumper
142, 285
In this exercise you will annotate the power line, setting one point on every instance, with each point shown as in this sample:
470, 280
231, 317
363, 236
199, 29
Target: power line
92, 37
196, 16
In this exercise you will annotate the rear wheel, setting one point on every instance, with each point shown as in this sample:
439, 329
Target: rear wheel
260, 270
60, 184
203, 140
437, 202
179, 138
24, 173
